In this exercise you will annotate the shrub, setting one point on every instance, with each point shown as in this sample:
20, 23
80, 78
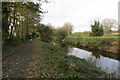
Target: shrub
97, 30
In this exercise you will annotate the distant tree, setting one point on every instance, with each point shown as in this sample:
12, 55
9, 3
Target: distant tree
69, 27
46, 32
64, 31
61, 33
96, 29
77, 34
108, 24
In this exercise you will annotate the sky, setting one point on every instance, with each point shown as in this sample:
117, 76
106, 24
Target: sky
80, 13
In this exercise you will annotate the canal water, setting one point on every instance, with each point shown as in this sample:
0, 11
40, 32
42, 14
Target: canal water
109, 63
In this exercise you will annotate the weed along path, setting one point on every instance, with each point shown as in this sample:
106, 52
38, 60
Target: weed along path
18, 64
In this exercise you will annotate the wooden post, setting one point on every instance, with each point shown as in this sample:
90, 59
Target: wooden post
119, 15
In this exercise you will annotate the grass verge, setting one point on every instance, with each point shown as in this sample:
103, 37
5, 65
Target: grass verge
55, 63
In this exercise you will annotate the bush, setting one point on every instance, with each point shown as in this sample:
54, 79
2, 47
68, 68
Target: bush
97, 30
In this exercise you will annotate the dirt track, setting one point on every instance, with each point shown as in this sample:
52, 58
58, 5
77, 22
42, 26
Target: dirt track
17, 64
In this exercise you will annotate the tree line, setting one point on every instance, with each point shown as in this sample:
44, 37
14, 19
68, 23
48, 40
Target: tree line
103, 28
20, 20
51, 34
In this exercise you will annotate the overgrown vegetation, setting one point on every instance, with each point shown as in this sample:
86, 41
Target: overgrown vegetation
46, 32
62, 32
109, 44
55, 63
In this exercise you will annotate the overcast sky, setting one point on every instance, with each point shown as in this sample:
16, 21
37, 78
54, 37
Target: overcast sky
79, 12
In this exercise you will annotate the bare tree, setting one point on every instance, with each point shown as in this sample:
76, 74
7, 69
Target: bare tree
64, 31
69, 27
108, 24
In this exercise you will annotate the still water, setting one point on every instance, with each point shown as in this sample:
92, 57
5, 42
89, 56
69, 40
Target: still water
108, 63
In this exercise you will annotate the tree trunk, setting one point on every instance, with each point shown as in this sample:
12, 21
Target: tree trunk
11, 32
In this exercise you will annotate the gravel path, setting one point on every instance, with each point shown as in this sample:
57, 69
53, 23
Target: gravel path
16, 65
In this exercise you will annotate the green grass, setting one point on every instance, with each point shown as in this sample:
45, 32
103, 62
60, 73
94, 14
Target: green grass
101, 43
87, 34
55, 63
92, 40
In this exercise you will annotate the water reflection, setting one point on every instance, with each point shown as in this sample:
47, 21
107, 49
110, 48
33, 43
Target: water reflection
106, 63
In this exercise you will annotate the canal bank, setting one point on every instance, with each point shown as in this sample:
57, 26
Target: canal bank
54, 62
105, 44
108, 63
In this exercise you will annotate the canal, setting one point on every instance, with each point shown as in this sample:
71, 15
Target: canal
107, 62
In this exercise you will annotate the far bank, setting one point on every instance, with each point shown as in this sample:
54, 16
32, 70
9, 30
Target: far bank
106, 44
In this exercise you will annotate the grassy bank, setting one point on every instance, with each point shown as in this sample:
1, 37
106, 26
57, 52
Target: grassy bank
55, 63
108, 44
